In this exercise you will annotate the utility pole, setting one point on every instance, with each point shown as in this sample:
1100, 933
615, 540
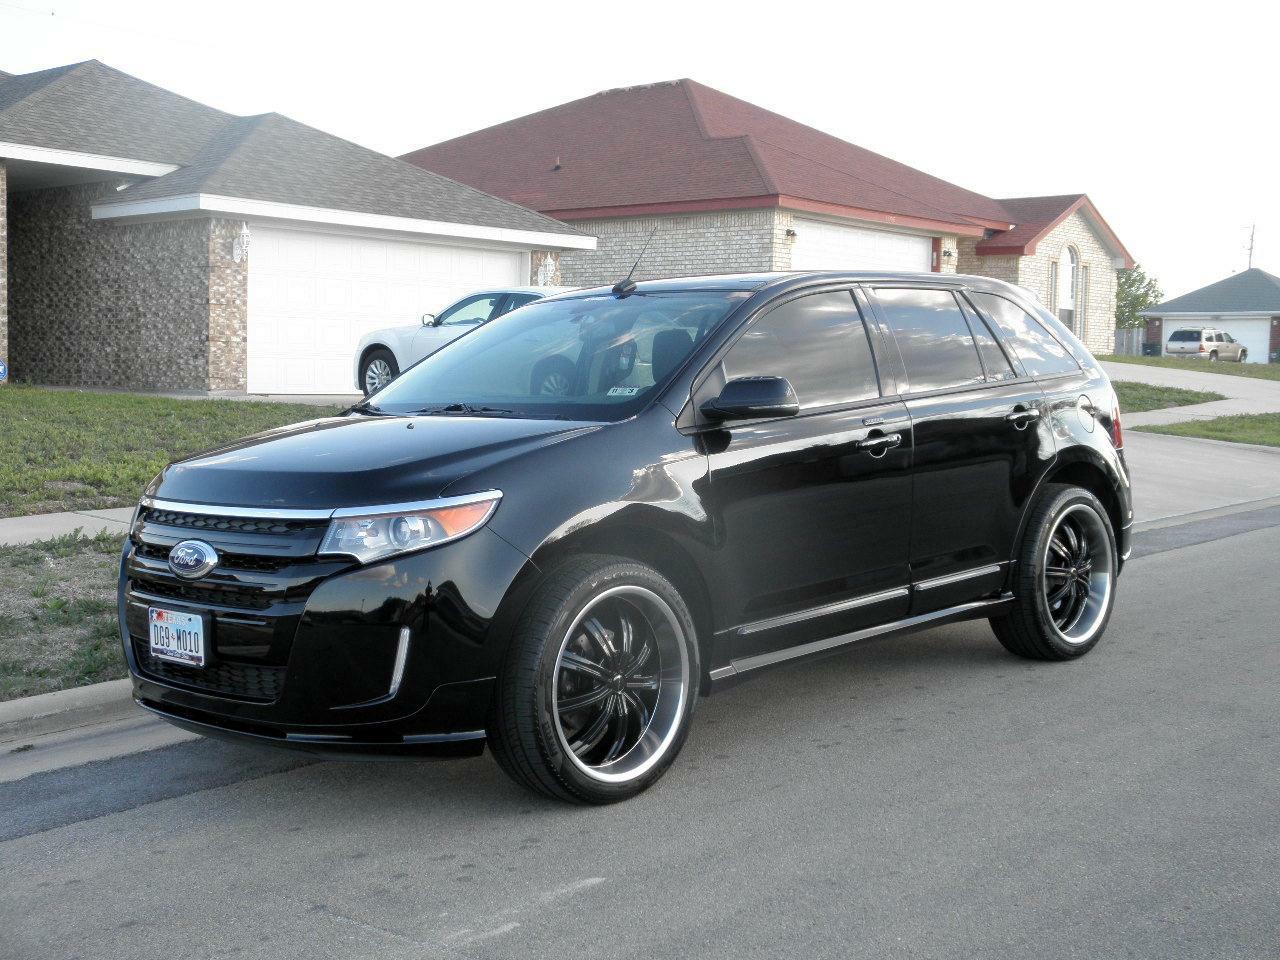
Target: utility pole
1252, 230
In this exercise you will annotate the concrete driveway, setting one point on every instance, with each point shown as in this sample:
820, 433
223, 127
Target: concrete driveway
1244, 394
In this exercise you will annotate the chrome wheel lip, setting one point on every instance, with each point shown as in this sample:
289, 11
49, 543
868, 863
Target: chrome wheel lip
667, 715
1084, 626
377, 375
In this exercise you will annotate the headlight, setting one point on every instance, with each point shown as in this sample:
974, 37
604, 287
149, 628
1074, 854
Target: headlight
373, 533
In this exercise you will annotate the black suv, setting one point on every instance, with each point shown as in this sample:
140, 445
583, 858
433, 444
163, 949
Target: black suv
738, 472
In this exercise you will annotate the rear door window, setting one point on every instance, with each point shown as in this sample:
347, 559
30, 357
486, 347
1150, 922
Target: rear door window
1185, 336
1038, 349
933, 337
818, 342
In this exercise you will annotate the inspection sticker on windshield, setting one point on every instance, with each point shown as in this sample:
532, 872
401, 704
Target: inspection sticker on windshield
623, 391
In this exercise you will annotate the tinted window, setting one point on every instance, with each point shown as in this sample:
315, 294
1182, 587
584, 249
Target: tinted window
1182, 336
994, 360
937, 347
517, 300
1038, 350
817, 342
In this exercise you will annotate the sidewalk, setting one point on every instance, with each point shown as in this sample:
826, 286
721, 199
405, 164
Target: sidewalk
1244, 394
46, 526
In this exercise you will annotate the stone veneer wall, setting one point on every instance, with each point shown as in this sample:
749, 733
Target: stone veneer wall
695, 244
1033, 273
4, 262
157, 305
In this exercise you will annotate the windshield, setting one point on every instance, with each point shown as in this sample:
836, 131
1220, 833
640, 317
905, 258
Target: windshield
585, 358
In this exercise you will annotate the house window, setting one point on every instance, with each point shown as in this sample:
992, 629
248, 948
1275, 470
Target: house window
1067, 283
1052, 299
1082, 302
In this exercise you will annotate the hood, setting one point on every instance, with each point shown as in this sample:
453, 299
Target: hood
354, 461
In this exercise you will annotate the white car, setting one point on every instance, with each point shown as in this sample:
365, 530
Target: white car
381, 355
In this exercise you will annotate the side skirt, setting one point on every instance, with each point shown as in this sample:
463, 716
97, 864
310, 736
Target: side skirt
738, 670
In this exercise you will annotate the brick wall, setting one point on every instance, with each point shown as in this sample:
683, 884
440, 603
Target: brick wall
4, 264
156, 306
729, 241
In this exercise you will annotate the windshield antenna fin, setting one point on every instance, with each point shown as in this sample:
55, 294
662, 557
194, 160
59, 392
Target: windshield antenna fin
626, 287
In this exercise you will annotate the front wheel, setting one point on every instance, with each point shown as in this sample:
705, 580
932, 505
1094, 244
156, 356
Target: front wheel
378, 369
1066, 577
1243, 355
597, 691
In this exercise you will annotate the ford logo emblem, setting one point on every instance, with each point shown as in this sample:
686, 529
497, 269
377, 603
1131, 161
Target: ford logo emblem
192, 559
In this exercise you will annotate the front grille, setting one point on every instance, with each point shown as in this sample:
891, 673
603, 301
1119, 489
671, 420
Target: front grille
208, 594
228, 561
244, 681
249, 525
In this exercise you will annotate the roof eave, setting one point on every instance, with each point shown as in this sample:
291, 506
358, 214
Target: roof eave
203, 203
1121, 257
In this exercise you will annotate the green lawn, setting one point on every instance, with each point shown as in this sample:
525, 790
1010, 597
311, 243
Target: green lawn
1258, 371
1137, 397
58, 615
1263, 428
74, 450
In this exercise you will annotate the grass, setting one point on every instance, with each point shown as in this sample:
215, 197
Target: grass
75, 450
1137, 397
58, 615
1262, 428
1256, 371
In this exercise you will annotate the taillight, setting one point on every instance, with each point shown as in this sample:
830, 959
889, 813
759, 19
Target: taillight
1202, 348
1117, 432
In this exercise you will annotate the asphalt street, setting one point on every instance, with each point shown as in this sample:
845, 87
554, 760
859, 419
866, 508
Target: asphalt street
922, 797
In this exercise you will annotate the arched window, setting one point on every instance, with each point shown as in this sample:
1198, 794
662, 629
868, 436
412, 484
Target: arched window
1064, 285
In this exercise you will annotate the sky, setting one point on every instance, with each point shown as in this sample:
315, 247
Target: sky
1163, 113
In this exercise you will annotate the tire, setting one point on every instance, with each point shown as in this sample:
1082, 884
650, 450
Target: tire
382, 362
1242, 356
646, 715
1213, 356
1037, 627
552, 377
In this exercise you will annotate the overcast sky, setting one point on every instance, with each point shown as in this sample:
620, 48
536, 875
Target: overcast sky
1164, 115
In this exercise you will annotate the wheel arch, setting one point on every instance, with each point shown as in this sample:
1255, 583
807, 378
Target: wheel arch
1082, 468
651, 545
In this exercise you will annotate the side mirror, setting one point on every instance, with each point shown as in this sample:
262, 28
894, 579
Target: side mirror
428, 319
752, 398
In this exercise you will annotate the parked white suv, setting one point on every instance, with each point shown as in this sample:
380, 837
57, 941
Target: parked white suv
381, 355
1208, 343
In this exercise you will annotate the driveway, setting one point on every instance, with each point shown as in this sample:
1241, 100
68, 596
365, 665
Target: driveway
1173, 476
925, 797
1244, 394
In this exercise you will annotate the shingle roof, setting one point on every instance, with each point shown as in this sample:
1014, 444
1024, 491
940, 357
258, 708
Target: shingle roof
270, 157
1252, 291
1034, 217
682, 142
92, 108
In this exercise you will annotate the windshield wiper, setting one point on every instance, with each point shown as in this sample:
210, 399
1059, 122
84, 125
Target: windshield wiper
364, 406
463, 410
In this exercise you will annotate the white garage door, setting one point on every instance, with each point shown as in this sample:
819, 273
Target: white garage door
1254, 333
832, 246
312, 296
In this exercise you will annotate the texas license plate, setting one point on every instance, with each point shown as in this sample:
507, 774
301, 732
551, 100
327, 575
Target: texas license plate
176, 636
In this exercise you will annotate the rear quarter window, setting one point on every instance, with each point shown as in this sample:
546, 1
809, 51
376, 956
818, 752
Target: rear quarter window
1037, 348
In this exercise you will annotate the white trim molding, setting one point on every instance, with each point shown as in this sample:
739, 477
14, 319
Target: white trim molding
197, 203
88, 161
1210, 314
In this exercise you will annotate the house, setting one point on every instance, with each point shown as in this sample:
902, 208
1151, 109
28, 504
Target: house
154, 242
1245, 305
730, 186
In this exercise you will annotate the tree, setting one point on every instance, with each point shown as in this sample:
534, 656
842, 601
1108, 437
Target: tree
1135, 291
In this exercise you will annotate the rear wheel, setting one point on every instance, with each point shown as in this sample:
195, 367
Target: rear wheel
1213, 356
595, 697
378, 369
1066, 576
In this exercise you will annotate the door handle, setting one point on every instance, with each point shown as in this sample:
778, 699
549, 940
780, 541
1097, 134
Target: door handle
1020, 418
878, 445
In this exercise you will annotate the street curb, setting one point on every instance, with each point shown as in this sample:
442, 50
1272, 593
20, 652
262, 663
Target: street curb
46, 713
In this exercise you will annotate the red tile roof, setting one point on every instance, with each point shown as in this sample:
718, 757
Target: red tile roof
683, 146
1036, 216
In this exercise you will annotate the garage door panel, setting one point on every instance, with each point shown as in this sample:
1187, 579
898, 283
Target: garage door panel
313, 296
820, 245
1254, 333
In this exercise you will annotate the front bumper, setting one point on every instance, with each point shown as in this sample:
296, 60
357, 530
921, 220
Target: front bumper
301, 650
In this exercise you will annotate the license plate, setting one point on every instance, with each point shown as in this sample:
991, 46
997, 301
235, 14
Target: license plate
176, 636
